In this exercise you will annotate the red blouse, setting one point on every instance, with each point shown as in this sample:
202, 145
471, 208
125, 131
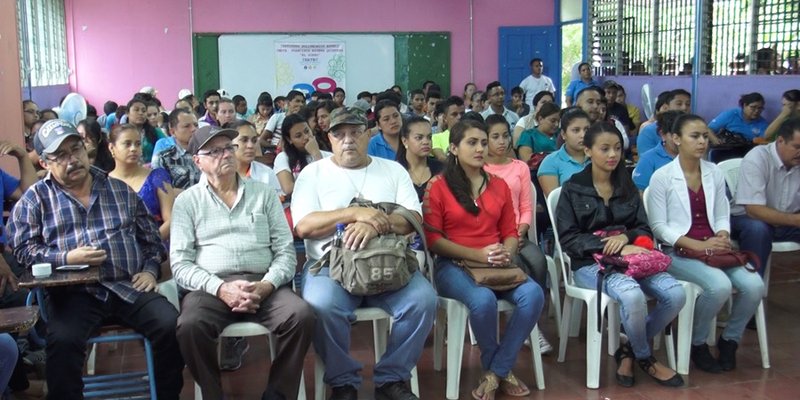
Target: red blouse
494, 223
700, 229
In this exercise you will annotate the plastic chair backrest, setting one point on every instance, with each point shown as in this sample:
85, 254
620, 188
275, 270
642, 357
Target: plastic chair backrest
533, 236
731, 170
552, 205
169, 289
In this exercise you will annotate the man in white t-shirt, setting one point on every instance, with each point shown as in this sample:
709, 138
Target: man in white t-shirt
536, 82
322, 193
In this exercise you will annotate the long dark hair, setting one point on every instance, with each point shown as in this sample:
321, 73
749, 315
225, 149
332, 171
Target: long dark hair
149, 131
296, 157
404, 131
620, 178
454, 175
103, 158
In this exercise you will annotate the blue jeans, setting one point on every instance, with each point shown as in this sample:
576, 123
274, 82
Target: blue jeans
498, 357
631, 295
413, 308
8, 359
717, 284
757, 236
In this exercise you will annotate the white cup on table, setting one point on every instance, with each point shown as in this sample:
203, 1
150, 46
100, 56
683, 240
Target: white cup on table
41, 270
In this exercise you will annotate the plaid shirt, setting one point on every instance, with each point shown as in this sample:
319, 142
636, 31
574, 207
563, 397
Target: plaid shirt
182, 169
47, 222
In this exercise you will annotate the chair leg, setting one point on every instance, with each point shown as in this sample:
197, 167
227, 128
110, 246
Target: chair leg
472, 339
90, 361
438, 337
565, 321
538, 369
575, 323
613, 324
669, 346
198, 394
555, 292
594, 341
767, 269
456, 325
151, 371
761, 328
319, 384
301, 393
414, 382
380, 334
685, 322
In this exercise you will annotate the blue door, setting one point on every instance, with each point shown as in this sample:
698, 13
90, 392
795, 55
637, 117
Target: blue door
519, 45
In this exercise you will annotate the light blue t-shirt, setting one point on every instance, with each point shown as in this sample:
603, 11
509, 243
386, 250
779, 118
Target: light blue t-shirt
649, 162
560, 164
378, 147
576, 86
648, 139
733, 121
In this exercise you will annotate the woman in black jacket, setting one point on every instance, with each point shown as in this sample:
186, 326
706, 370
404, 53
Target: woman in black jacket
602, 198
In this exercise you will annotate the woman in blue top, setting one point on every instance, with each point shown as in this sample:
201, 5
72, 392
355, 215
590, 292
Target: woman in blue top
559, 166
154, 186
745, 121
541, 138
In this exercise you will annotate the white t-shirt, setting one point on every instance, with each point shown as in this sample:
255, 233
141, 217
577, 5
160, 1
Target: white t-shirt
281, 162
324, 186
532, 86
274, 125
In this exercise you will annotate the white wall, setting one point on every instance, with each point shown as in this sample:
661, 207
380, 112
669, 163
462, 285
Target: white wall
247, 62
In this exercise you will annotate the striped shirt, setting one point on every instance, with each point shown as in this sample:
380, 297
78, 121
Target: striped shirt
208, 240
48, 222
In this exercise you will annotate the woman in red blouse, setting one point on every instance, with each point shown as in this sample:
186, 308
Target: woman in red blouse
469, 215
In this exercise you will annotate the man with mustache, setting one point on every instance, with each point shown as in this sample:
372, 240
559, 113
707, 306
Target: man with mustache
78, 215
322, 194
767, 198
233, 258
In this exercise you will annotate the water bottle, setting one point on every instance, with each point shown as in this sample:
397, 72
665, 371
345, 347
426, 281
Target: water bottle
338, 237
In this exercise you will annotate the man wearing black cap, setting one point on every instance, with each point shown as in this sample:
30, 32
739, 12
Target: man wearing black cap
232, 253
322, 193
77, 215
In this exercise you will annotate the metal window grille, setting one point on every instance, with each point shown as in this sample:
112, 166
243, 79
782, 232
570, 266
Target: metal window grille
656, 37
43, 45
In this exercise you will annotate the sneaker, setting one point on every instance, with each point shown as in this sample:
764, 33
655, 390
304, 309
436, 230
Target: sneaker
232, 351
345, 392
394, 391
702, 359
544, 346
727, 353
31, 358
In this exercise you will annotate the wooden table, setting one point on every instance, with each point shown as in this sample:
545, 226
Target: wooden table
18, 319
61, 278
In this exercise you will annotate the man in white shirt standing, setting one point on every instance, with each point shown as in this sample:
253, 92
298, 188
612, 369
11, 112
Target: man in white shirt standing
536, 82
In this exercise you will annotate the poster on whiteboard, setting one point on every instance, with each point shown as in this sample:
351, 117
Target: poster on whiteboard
309, 66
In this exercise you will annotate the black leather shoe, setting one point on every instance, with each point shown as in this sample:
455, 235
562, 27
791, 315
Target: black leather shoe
727, 353
624, 351
394, 391
702, 359
345, 392
648, 366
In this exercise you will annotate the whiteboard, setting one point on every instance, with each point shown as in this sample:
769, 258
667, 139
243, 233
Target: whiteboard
247, 62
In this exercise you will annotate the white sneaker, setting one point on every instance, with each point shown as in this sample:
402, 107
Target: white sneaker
544, 346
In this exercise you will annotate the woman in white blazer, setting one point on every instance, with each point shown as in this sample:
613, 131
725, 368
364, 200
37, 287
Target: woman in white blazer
687, 207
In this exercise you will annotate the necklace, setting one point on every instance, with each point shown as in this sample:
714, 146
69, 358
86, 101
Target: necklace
480, 188
358, 189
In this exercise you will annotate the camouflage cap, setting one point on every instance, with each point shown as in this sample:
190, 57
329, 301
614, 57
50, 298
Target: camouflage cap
347, 116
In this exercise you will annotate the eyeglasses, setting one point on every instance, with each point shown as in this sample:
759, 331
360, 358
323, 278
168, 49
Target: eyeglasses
353, 133
218, 152
64, 157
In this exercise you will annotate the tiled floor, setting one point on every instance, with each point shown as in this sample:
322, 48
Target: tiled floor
567, 380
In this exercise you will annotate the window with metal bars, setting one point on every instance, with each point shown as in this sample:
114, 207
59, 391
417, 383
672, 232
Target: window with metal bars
656, 37
43, 43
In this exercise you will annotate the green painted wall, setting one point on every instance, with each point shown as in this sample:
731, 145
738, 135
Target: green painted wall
420, 57
206, 62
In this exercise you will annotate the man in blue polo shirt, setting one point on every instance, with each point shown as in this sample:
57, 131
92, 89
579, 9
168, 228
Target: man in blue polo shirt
660, 155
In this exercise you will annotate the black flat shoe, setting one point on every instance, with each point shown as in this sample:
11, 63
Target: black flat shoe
624, 351
703, 360
727, 353
648, 366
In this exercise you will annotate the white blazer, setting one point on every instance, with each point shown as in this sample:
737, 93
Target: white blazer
669, 212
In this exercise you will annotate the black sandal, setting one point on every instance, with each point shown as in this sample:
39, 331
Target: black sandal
624, 351
648, 366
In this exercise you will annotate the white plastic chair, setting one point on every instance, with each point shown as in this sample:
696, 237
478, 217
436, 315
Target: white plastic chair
381, 326
594, 336
169, 289
731, 170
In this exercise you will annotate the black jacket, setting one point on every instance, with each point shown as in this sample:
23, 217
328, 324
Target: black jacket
581, 212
